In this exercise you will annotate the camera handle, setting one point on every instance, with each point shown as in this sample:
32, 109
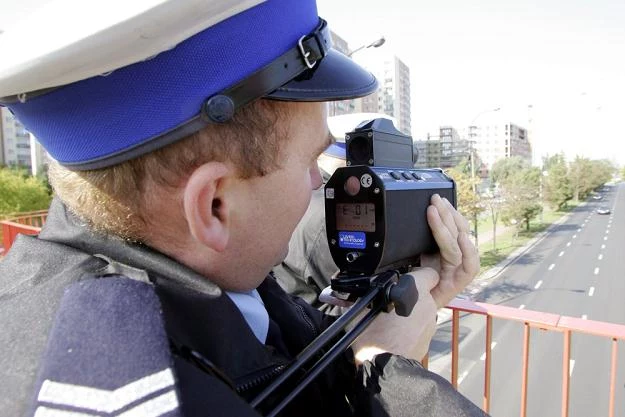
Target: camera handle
386, 290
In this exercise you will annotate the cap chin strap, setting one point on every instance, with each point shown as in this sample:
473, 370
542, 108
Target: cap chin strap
299, 62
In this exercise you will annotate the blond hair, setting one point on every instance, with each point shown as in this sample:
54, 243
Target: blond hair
115, 200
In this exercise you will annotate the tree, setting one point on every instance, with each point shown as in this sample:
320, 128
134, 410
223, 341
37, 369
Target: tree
469, 203
557, 190
494, 202
20, 192
601, 171
519, 186
504, 168
465, 165
579, 172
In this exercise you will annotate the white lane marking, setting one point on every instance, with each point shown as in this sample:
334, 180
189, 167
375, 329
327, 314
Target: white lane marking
574, 236
591, 291
607, 232
552, 266
571, 366
600, 257
561, 253
538, 284
568, 244
609, 225
596, 271
602, 246
462, 377
522, 306
492, 346
605, 238
584, 317
579, 230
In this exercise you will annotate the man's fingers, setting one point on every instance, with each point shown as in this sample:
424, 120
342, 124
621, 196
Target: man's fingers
470, 255
447, 244
445, 214
461, 223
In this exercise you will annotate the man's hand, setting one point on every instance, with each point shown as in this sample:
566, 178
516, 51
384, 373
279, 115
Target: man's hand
440, 278
407, 336
458, 261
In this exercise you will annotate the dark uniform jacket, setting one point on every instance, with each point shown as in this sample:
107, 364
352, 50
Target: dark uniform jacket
95, 325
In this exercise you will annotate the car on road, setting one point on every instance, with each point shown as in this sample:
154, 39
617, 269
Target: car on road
603, 210
596, 197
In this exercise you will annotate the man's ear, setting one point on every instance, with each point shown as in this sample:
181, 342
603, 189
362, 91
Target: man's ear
205, 208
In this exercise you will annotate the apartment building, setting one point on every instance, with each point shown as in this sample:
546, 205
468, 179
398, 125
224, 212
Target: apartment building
18, 148
496, 141
443, 150
394, 92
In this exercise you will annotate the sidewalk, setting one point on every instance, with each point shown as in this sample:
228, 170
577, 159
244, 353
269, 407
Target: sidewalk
487, 236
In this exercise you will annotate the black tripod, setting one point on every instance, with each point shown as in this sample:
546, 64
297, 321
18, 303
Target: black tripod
381, 292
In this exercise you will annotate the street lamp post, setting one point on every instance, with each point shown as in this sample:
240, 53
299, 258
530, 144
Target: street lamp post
375, 44
472, 134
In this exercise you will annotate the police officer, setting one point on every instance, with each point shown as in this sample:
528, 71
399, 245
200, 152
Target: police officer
179, 129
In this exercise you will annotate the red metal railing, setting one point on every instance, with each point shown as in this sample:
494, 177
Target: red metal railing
25, 223
537, 320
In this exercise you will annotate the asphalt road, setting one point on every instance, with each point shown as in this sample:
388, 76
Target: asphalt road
578, 270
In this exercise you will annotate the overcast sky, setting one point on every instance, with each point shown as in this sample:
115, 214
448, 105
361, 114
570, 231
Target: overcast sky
565, 58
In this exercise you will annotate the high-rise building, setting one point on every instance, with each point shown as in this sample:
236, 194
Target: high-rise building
394, 92
445, 150
393, 95
496, 141
19, 148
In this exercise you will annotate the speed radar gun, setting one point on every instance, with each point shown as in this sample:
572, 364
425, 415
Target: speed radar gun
376, 207
377, 230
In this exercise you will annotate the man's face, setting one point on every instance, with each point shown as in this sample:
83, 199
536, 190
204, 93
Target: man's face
271, 206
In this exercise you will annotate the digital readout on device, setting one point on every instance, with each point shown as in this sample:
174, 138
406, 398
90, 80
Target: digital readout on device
355, 216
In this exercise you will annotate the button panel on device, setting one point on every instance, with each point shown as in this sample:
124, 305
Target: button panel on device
395, 175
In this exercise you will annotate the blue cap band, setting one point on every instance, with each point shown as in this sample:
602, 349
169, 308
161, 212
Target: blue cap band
109, 114
336, 150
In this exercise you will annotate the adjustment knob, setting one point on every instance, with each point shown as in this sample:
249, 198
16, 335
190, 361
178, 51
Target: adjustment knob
404, 295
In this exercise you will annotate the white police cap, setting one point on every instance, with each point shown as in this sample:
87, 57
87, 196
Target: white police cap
101, 83
49, 43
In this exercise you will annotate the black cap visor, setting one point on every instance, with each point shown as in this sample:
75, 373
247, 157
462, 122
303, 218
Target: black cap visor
335, 77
